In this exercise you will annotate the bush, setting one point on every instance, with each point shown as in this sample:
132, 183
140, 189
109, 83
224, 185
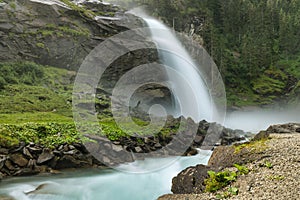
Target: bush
219, 180
2, 82
21, 72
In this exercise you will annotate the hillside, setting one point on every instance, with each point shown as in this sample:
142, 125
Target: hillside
255, 44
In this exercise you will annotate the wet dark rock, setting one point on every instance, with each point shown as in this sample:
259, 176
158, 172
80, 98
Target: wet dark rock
261, 135
27, 153
20, 148
284, 128
18, 159
3, 158
68, 161
31, 164
26, 172
35, 150
9, 165
138, 149
190, 180
46, 156
3, 151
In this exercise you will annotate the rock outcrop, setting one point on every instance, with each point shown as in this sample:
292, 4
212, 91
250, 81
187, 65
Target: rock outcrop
56, 34
190, 182
33, 159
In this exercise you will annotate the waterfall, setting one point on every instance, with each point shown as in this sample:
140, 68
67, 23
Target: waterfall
172, 54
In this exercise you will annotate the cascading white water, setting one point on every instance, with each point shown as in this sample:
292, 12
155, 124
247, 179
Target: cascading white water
174, 55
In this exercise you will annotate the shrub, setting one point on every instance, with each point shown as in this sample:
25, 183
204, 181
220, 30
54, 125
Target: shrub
218, 180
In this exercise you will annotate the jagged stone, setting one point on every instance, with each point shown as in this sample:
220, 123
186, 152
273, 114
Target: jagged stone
46, 156
26, 172
19, 159
190, 180
9, 165
3, 158
68, 161
27, 153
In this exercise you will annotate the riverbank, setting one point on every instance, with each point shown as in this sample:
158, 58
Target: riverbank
274, 174
32, 149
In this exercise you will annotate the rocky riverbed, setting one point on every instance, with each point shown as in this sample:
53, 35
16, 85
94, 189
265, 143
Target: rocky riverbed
274, 169
31, 159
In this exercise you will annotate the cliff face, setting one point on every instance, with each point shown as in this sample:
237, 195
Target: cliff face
55, 33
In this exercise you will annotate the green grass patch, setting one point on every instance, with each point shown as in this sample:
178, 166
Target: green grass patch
35, 117
46, 134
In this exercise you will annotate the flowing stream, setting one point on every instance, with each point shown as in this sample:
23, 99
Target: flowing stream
102, 184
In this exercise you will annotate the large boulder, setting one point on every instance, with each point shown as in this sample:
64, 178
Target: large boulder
284, 128
190, 180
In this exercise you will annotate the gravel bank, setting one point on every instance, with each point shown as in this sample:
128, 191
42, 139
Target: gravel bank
276, 176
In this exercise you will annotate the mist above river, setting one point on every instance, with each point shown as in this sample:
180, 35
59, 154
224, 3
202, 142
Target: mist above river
260, 119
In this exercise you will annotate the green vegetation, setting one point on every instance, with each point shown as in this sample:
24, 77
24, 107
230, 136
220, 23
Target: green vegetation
13, 5
40, 45
219, 180
28, 87
33, 95
252, 146
47, 134
81, 10
268, 164
276, 177
59, 31
232, 191
242, 170
247, 39
20, 73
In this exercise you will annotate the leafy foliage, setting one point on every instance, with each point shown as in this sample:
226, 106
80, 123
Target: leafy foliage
17, 73
46, 134
241, 169
218, 180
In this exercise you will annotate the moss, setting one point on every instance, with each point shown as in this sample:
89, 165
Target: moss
73, 32
40, 45
253, 146
81, 10
13, 5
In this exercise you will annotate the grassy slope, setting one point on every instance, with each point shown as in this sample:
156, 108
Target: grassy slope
41, 111
37, 112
